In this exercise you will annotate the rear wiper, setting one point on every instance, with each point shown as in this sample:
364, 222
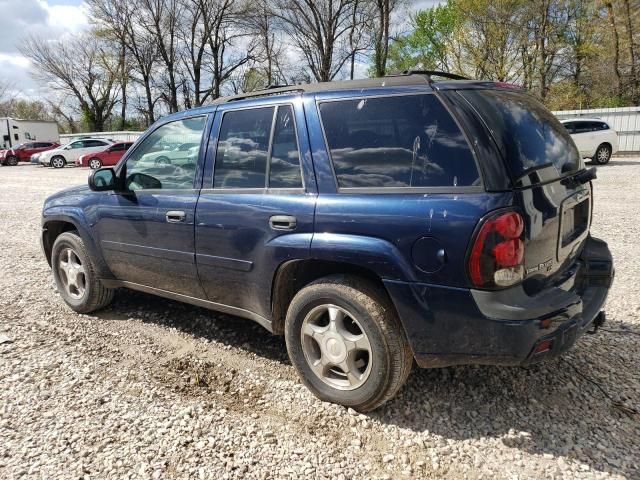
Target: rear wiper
583, 176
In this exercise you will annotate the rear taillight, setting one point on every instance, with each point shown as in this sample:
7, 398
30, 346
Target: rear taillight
497, 255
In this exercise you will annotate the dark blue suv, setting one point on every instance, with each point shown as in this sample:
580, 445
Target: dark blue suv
371, 222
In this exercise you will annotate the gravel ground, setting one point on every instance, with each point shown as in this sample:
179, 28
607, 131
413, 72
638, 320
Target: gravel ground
151, 388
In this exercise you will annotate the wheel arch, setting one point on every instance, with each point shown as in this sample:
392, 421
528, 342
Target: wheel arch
294, 275
56, 223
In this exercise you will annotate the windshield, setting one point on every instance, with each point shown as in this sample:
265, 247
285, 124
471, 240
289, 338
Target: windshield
536, 145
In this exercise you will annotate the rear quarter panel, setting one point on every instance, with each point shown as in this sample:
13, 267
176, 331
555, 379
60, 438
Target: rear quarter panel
410, 237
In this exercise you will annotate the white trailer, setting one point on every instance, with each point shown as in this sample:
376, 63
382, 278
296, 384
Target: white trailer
13, 132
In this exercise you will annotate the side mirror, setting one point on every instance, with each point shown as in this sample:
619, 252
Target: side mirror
102, 180
142, 181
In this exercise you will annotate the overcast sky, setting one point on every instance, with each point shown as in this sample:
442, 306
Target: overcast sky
52, 19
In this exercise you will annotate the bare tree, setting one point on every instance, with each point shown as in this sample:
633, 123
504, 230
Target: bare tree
5, 88
270, 51
210, 32
225, 60
318, 28
381, 32
362, 19
160, 19
83, 68
120, 17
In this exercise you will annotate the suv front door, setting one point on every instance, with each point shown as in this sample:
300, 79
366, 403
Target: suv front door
146, 231
257, 205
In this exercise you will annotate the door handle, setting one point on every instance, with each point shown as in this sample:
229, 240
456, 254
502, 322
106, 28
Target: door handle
283, 222
175, 216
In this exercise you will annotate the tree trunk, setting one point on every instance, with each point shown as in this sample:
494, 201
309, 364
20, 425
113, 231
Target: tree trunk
635, 81
123, 82
616, 46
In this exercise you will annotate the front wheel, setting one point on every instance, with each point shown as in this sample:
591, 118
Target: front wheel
95, 163
346, 342
58, 162
603, 155
75, 275
12, 161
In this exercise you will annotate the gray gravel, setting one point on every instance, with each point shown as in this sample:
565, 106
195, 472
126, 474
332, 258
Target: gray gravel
151, 388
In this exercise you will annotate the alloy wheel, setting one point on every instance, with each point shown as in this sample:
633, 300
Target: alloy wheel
57, 162
336, 347
72, 273
603, 155
94, 164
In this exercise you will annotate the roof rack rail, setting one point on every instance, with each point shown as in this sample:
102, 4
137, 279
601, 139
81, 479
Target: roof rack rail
269, 90
430, 73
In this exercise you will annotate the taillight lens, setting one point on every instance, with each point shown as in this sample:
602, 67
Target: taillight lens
497, 255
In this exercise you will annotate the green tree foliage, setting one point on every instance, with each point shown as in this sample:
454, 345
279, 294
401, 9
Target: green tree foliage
570, 53
428, 44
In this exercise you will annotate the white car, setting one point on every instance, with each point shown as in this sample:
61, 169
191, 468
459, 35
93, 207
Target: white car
68, 154
594, 138
173, 155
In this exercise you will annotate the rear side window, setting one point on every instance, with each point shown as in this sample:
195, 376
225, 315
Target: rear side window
93, 143
530, 137
396, 142
284, 169
253, 152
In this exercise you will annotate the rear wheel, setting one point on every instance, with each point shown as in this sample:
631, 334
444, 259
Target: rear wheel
603, 154
346, 342
95, 163
58, 162
75, 275
12, 161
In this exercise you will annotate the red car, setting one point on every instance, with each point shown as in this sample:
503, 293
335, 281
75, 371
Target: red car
22, 153
107, 157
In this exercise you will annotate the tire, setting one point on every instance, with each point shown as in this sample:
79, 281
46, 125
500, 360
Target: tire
58, 161
94, 163
603, 155
12, 161
364, 316
162, 161
88, 294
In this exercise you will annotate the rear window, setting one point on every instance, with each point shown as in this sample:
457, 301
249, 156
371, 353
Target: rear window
395, 142
530, 137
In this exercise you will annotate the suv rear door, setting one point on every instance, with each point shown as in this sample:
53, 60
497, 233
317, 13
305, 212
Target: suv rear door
542, 160
256, 207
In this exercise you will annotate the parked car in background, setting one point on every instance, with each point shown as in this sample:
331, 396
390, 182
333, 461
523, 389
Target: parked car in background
594, 138
68, 154
107, 157
172, 154
373, 223
22, 153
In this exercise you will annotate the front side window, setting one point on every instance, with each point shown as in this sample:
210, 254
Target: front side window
75, 145
254, 153
157, 163
396, 142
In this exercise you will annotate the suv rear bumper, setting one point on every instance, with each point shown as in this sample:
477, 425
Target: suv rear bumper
453, 326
